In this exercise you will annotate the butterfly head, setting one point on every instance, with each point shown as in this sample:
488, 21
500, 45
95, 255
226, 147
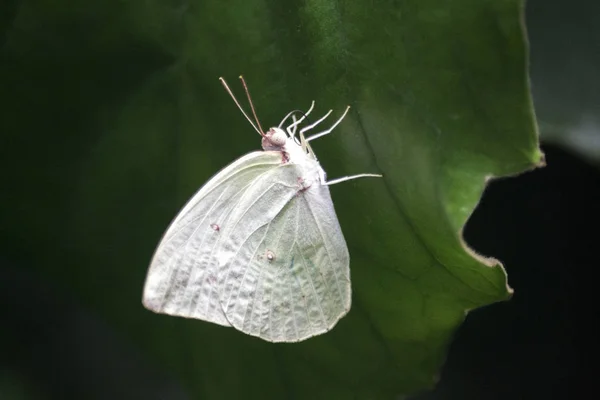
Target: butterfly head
274, 139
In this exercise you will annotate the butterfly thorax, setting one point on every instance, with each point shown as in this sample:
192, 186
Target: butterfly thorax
275, 139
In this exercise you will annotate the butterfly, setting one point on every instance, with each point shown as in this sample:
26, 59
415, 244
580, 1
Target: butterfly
259, 246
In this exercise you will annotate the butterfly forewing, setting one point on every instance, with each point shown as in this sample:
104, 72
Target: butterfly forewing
182, 278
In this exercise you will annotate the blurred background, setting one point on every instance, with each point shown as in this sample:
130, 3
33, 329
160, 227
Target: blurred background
542, 225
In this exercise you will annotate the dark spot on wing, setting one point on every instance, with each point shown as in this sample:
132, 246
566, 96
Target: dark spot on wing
302, 185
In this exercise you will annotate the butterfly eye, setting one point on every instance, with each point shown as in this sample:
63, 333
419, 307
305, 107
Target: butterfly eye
277, 137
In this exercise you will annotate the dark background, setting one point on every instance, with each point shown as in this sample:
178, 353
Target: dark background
541, 344
542, 225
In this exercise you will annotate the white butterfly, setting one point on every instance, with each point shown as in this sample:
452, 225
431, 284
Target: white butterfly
259, 247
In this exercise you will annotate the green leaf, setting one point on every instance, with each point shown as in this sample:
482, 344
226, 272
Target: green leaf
114, 116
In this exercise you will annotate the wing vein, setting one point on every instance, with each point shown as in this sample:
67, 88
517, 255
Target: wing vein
337, 281
295, 244
246, 271
239, 249
291, 308
314, 289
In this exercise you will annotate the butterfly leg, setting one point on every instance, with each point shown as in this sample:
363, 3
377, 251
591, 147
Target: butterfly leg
318, 135
349, 178
309, 127
291, 129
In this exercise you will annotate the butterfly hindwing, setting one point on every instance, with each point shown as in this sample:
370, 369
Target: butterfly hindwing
284, 270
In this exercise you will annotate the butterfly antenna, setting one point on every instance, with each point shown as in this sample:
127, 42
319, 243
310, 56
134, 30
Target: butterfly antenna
240, 107
251, 105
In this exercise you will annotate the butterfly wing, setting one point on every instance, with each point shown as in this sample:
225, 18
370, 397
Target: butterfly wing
182, 276
284, 271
